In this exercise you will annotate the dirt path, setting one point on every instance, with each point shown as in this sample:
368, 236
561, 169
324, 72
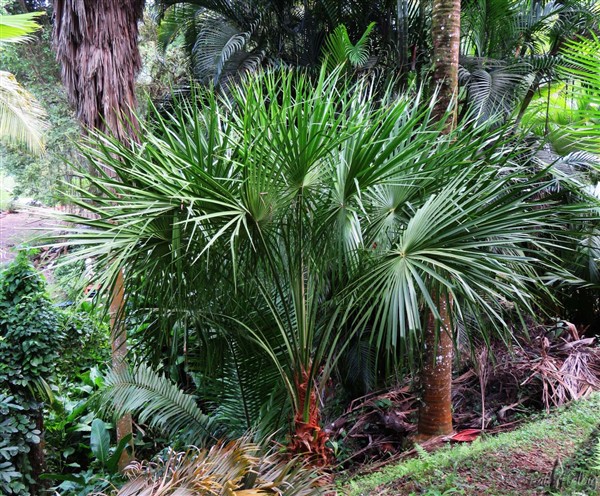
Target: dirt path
20, 229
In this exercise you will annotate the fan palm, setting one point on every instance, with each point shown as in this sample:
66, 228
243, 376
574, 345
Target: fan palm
251, 220
22, 119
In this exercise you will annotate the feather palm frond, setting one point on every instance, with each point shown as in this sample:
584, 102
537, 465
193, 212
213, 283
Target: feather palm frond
177, 19
494, 89
339, 50
22, 118
216, 44
157, 401
18, 28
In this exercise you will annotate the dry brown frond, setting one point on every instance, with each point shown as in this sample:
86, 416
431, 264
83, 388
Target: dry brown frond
232, 468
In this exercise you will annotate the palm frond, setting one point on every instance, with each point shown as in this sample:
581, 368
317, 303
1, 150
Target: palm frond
179, 19
217, 42
493, 90
581, 65
479, 260
157, 401
18, 28
339, 50
237, 467
22, 118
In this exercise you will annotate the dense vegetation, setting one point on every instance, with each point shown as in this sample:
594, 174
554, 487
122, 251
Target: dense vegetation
288, 234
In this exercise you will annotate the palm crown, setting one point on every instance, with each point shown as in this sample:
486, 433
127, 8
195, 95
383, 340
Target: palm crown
262, 231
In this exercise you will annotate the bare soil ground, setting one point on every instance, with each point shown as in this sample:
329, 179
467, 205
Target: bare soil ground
20, 228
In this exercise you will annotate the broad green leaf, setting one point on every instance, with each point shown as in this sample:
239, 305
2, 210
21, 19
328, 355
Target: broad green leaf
100, 441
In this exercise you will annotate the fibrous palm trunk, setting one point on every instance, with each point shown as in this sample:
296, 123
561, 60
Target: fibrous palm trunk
435, 415
96, 45
308, 439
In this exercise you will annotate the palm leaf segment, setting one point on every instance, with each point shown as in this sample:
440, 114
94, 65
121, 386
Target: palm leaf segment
18, 28
22, 119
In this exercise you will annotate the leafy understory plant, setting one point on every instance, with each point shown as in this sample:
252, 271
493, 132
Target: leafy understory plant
30, 336
104, 470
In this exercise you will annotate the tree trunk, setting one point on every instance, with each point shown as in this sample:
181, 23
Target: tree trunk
36, 453
308, 439
96, 46
445, 30
435, 414
119, 353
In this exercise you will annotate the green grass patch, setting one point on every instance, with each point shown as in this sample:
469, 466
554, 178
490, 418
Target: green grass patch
514, 463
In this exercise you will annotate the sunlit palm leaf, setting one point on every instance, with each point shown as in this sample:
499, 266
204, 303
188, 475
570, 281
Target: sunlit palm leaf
22, 119
18, 28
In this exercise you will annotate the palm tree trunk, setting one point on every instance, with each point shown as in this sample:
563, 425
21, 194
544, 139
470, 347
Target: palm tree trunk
445, 30
435, 415
119, 354
308, 439
96, 45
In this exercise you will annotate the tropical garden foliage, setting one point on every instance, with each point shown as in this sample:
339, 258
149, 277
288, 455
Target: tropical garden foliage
308, 219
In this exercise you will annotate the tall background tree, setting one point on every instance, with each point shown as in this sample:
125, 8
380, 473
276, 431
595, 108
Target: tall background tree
97, 46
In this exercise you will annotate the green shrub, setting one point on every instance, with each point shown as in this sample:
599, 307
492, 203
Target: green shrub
29, 337
17, 432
